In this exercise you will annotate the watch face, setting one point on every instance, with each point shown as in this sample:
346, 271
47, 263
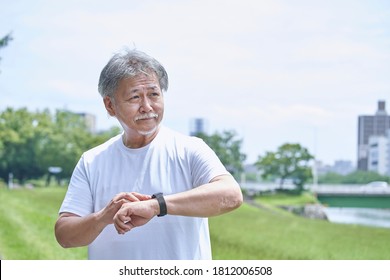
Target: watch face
157, 195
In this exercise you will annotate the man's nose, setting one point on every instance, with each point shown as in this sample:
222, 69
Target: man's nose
146, 105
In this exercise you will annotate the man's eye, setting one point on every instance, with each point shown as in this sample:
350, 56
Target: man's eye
134, 97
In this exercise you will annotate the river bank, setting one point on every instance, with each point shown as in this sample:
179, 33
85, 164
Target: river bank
373, 217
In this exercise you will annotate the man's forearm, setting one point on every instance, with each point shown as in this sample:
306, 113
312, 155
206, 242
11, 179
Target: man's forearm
221, 195
74, 231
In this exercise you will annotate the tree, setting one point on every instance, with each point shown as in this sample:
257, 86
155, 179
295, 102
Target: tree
18, 138
5, 40
364, 177
330, 178
290, 161
227, 148
358, 177
31, 142
67, 139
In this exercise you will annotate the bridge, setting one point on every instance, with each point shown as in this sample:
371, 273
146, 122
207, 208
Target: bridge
353, 197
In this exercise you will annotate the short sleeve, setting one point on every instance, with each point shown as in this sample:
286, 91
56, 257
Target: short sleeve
78, 199
205, 164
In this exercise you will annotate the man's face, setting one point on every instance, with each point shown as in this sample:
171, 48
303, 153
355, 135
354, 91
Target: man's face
138, 105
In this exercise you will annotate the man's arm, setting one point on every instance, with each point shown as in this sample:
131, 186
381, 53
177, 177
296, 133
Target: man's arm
74, 231
221, 195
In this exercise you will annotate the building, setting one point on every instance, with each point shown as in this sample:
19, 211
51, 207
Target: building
374, 126
378, 151
198, 125
90, 121
343, 167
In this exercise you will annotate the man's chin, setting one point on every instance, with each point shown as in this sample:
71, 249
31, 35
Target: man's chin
148, 132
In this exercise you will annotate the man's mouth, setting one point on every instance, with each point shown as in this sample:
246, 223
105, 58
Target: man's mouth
146, 117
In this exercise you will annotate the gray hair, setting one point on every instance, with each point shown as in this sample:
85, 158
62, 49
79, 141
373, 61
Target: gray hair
127, 64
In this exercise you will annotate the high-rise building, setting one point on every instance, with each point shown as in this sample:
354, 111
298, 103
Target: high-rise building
374, 127
198, 125
378, 154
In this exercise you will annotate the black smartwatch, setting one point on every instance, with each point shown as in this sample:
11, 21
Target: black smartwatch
161, 203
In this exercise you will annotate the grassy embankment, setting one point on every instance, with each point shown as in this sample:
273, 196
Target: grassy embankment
27, 218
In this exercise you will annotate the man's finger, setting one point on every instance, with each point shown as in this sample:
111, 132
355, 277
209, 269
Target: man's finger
134, 196
124, 197
122, 224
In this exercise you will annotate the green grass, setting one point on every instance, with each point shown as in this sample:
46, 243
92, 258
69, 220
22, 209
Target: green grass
286, 199
27, 219
252, 233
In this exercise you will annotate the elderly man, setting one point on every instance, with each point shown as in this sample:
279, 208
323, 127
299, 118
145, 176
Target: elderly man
146, 193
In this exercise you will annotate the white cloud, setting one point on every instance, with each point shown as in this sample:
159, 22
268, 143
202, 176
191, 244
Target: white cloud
73, 89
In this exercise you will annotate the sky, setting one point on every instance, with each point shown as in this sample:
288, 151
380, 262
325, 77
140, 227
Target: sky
272, 71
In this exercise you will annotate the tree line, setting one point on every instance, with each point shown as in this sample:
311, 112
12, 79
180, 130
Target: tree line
290, 161
31, 142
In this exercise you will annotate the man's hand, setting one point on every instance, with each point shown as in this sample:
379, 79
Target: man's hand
73, 231
135, 214
108, 212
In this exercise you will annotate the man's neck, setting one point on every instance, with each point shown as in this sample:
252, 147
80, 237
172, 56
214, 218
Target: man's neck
138, 140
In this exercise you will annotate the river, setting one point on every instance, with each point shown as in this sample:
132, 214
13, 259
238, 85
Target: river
361, 216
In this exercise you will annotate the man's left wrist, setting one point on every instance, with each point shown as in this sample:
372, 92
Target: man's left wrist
161, 204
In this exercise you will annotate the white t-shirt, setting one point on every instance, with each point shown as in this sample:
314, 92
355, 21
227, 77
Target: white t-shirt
171, 163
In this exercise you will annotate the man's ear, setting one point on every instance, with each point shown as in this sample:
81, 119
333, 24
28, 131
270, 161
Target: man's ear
109, 106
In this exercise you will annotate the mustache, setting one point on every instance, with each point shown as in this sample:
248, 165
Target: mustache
146, 116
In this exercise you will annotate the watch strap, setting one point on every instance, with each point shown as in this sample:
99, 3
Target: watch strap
161, 203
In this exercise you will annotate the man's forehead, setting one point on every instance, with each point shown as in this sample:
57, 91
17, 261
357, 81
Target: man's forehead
144, 87
142, 83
